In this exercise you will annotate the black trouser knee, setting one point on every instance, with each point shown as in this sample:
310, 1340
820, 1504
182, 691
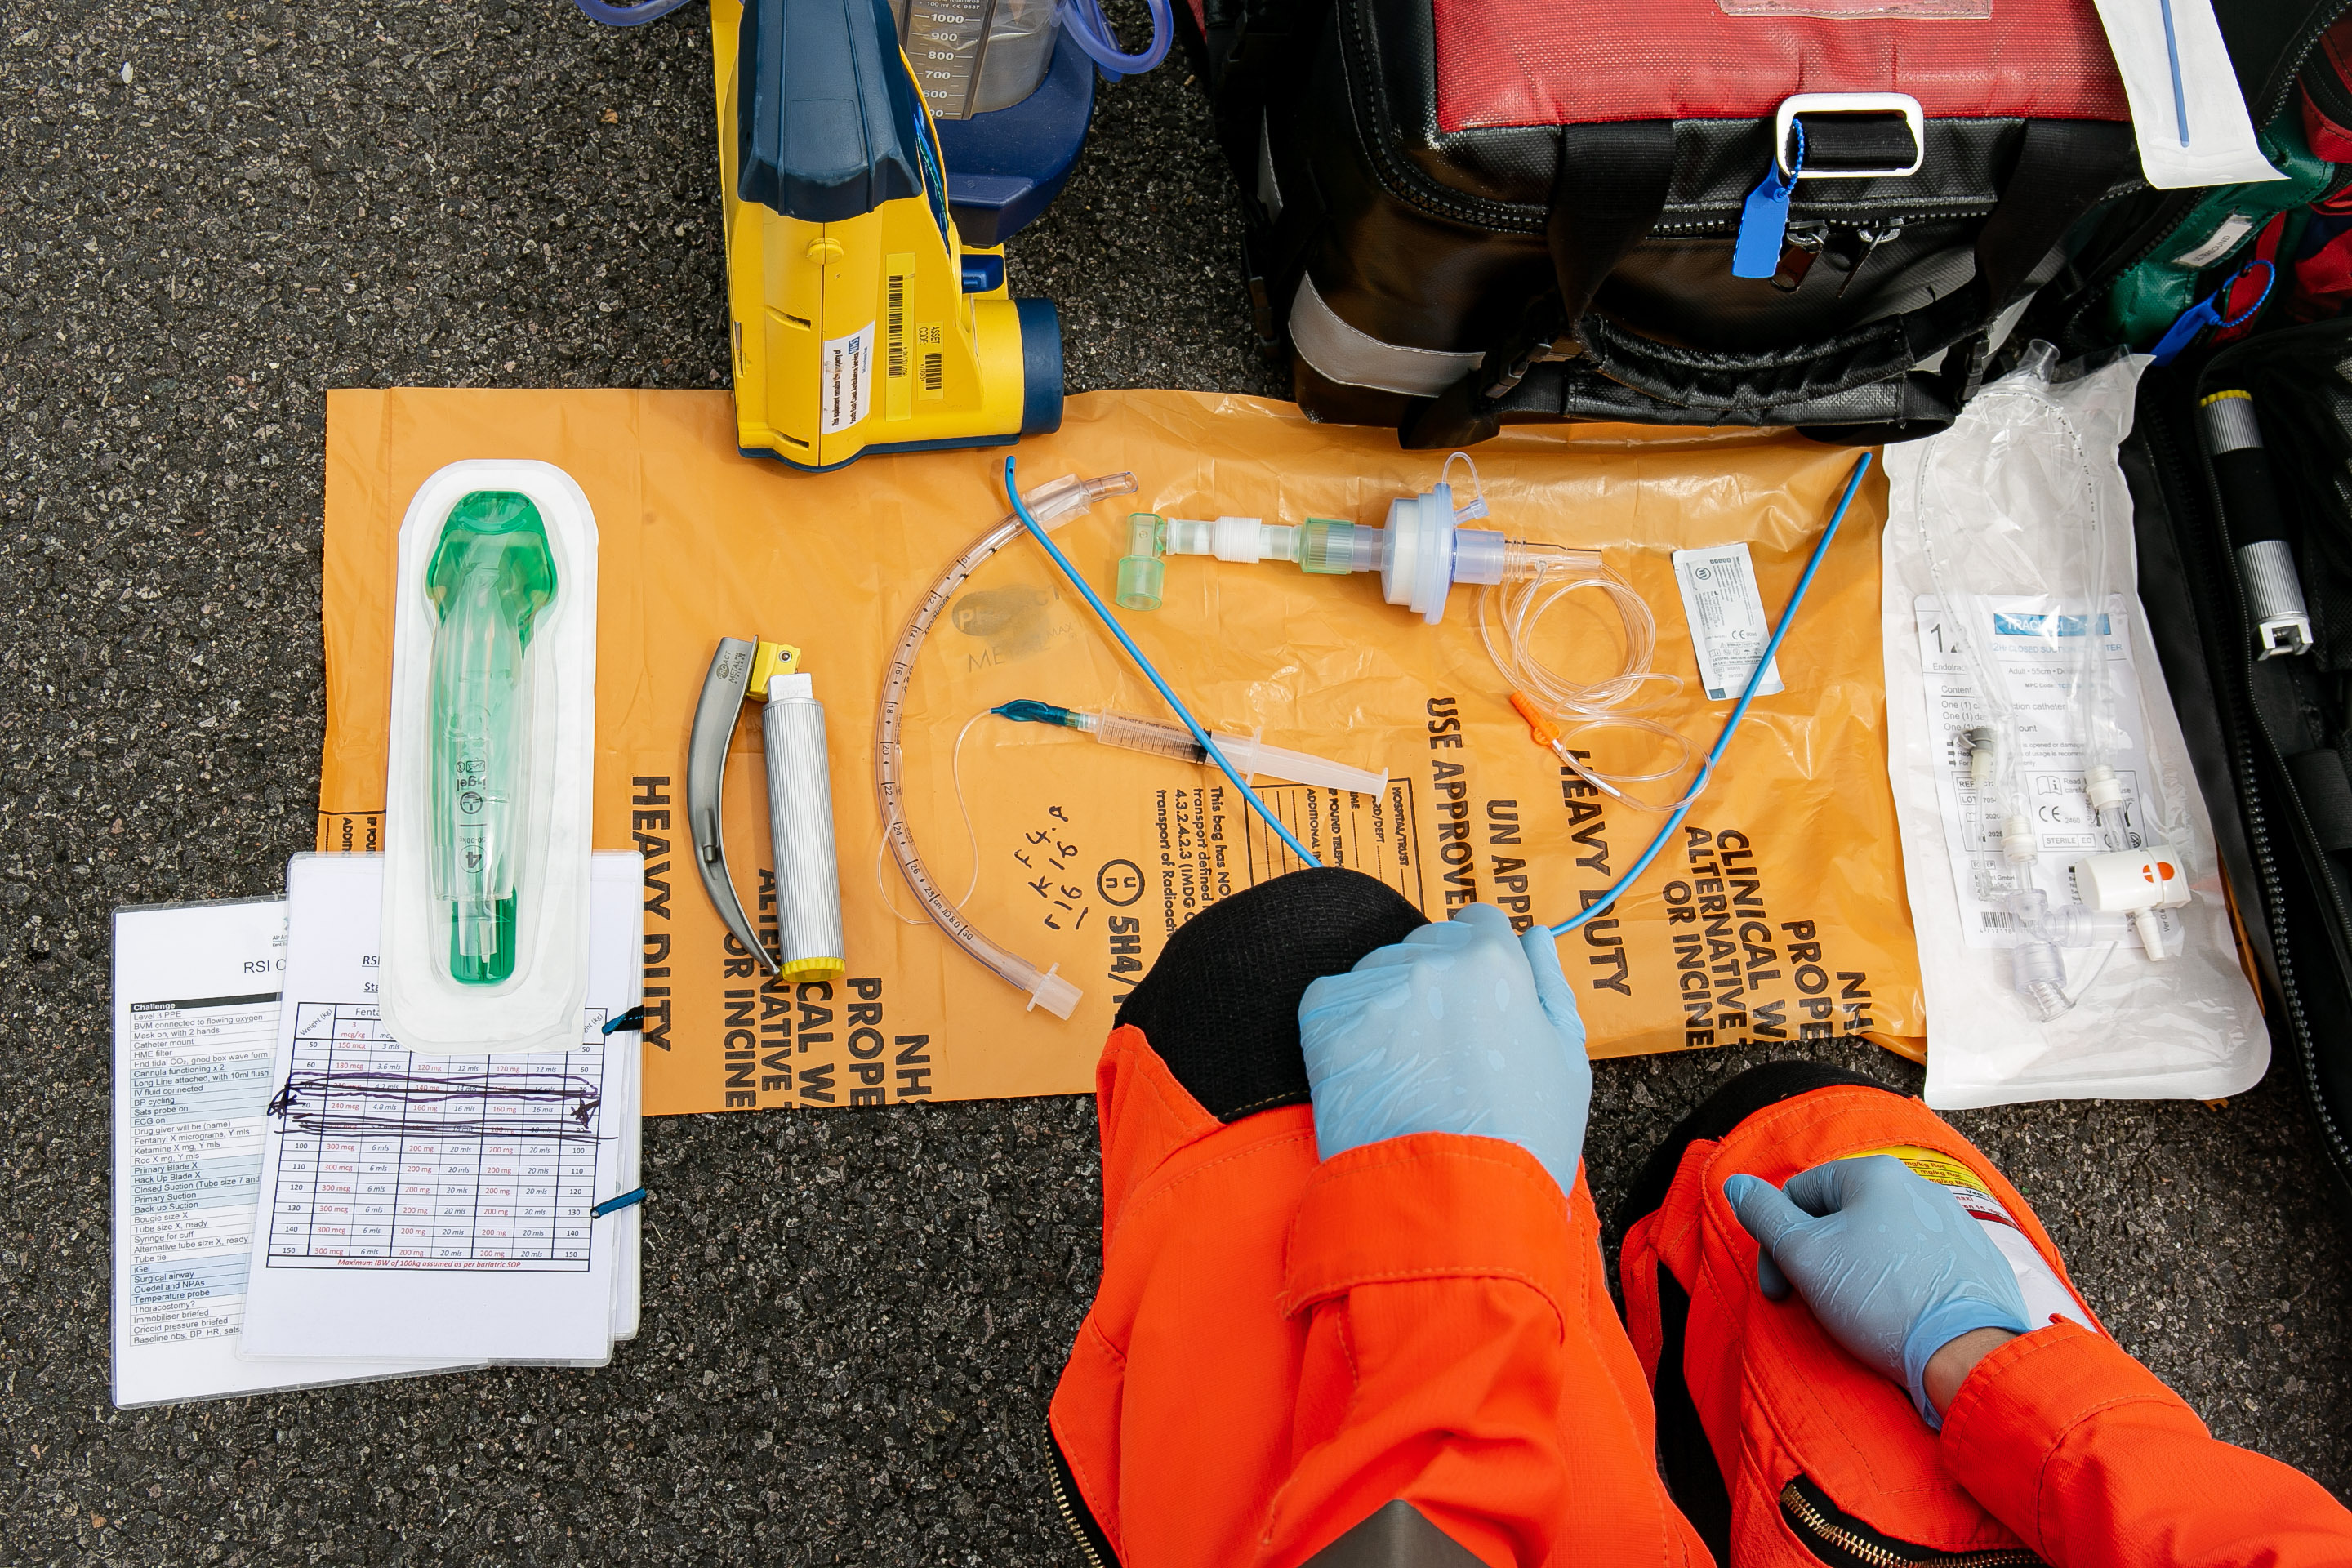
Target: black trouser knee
1221, 1005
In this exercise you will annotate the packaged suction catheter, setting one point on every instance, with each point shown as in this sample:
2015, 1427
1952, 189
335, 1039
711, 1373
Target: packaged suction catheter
491, 752
2062, 870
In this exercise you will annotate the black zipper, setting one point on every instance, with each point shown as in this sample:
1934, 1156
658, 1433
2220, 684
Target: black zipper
2329, 95
2236, 692
2170, 214
1727, 222
2181, 205
1071, 1504
2309, 41
1842, 1541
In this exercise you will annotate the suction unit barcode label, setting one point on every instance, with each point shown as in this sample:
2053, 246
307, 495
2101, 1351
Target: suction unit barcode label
898, 353
848, 369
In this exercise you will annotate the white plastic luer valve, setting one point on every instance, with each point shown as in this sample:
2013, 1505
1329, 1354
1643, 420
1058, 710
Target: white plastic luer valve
2136, 882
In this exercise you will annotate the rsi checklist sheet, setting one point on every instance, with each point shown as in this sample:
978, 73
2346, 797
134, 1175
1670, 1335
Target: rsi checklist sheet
199, 1071
195, 1039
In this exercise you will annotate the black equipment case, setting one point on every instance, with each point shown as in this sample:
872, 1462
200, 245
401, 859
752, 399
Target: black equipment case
1470, 213
2270, 730
2269, 736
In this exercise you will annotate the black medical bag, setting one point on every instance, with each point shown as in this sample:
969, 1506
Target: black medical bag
1472, 213
2270, 736
1465, 213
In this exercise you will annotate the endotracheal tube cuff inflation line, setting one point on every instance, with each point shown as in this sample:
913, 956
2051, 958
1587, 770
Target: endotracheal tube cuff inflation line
1052, 504
490, 573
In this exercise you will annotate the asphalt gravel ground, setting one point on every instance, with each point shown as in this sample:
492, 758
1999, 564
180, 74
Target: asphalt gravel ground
211, 215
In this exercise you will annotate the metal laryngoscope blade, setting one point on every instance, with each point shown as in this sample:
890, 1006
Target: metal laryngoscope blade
715, 713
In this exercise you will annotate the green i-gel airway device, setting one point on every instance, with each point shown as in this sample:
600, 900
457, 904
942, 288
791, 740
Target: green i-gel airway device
490, 573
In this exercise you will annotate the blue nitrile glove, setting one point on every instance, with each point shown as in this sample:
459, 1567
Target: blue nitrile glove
1889, 1262
1463, 1026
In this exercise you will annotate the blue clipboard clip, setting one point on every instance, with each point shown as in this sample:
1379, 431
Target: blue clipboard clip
627, 1200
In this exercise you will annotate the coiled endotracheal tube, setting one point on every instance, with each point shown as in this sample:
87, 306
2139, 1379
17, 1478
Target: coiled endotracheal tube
1051, 504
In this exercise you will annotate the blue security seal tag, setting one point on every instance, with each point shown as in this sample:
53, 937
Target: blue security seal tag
2184, 329
1764, 221
2207, 312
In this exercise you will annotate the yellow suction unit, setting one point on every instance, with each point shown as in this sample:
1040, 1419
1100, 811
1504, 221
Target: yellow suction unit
861, 322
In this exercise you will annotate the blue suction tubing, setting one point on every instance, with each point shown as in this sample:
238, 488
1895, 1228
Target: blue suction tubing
1730, 725
1102, 613
1707, 769
1091, 31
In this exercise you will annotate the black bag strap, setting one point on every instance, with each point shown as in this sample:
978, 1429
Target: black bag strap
1613, 183
1609, 191
2064, 168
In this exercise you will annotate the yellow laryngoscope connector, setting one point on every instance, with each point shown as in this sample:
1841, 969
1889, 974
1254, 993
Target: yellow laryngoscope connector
860, 322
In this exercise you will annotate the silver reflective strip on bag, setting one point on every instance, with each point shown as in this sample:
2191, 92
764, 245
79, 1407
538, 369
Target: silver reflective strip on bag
1338, 352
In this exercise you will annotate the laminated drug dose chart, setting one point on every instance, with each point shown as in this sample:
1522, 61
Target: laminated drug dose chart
445, 1160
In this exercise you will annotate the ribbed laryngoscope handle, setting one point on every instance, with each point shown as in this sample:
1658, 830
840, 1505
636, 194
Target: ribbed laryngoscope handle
799, 821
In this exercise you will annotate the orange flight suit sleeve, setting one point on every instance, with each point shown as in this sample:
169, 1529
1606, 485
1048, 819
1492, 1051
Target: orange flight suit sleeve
2096, 1464
1462, 1354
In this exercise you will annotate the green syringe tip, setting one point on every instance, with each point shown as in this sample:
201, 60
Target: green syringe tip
1028, 710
